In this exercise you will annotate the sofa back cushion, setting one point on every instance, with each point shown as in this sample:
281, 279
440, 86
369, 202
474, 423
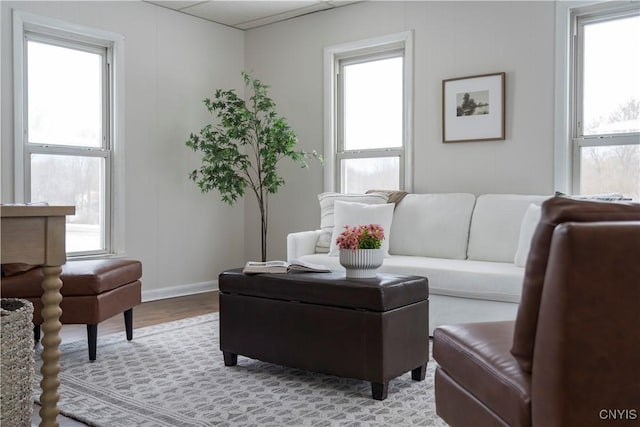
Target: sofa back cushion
432, 225
495, 226
527, 228
555, 211
327, 201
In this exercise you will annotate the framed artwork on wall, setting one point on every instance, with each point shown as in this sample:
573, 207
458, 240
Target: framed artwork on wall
473, 108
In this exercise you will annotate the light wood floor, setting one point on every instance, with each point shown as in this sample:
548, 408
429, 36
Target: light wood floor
147, 314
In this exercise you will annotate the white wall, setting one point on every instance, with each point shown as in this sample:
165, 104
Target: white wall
172, 61
451, 39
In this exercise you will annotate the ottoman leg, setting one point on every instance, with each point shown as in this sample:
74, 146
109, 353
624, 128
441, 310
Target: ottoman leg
379, 390
419, 373
128, 323
92, 337
230, 359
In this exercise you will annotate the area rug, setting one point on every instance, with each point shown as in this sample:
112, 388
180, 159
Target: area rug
173, 374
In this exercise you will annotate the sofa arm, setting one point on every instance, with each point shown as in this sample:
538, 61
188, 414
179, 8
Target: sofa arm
586, 351
301, 243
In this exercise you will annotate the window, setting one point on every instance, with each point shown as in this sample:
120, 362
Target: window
65, 142
605, 129
367, 115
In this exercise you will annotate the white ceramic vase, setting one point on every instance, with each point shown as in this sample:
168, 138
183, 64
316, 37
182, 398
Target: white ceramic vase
361, 263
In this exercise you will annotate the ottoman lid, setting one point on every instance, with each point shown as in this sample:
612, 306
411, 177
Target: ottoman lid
383, 293
81, 277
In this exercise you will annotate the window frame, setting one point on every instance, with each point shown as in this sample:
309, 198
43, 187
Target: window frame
335, 57
569, 135
29, 27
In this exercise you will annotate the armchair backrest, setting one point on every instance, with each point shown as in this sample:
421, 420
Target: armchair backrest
555, 211
586, 362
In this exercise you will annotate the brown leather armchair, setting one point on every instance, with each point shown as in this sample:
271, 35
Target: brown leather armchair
572, 356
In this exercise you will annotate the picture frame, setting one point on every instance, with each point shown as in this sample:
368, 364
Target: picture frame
473, 108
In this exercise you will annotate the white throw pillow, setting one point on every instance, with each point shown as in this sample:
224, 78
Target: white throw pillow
327, 201
527, 228
352, 214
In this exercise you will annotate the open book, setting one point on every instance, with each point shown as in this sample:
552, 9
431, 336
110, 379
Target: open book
253, 267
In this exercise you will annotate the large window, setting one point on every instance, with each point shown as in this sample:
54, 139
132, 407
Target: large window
367, 115
605, 131
65, 133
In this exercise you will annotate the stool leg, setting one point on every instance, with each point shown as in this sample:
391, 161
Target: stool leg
92, 337
379, 390
128, 323
419, 373
36, 333
230, 359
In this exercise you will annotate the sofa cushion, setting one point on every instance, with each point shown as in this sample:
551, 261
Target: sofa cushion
493, 281
495, 226
353, 214
432, 225
327, 201
528, 226
555, 211
476, 356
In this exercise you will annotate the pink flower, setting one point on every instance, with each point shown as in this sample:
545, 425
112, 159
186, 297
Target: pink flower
368, 236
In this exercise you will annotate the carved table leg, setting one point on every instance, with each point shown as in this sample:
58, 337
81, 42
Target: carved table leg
50, 342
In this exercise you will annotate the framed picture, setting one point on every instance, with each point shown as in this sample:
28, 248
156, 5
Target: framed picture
473, 108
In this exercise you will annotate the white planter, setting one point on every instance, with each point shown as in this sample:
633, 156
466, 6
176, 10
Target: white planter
361, 263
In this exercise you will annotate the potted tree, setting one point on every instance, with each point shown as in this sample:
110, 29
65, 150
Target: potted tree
242, 151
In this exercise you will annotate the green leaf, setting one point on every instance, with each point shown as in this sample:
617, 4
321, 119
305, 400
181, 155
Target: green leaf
243, 149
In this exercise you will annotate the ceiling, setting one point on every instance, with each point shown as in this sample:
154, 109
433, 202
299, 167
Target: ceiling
244, 15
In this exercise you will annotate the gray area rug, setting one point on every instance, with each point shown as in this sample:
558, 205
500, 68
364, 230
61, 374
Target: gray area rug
173, 374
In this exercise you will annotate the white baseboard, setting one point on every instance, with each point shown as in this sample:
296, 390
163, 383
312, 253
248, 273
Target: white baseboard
179, 291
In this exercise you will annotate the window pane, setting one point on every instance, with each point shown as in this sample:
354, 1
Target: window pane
65, 96
360, 175
373, 104
612, 169
611, 84
77, 181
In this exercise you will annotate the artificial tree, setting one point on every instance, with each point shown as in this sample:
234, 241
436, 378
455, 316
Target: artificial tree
243, 150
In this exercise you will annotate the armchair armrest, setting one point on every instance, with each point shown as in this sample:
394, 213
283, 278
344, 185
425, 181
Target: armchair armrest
301, 243
586, 348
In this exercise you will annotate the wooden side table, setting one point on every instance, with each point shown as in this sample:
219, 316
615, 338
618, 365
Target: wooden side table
36, 235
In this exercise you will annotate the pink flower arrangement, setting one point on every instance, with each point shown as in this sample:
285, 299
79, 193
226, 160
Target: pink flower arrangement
361, 237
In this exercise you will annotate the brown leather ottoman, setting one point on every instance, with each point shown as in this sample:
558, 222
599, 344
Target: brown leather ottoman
373, 329
92, 290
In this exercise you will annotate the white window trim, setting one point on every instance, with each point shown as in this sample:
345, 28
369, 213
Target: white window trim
331, 55
566, 151
23, 21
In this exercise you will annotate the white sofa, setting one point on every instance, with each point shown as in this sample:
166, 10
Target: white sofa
464, 245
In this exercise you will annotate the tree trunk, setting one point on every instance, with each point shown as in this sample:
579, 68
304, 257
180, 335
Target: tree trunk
263, 227
263, 224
